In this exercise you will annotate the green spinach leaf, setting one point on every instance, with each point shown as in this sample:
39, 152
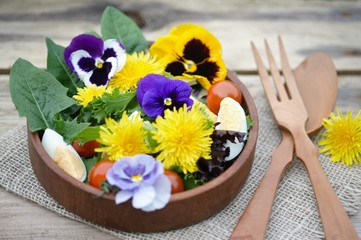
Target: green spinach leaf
116, 25
37, 95
57, 67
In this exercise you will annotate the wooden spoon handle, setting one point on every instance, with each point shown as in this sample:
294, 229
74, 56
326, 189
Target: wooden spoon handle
336, 223
254, 220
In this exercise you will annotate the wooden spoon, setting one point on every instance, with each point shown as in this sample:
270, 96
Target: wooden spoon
316, 79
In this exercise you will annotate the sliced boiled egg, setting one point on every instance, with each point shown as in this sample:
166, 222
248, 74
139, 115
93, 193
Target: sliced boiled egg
64, 155
232, 117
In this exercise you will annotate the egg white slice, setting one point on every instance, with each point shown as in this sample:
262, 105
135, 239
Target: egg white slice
231, 117
63, 154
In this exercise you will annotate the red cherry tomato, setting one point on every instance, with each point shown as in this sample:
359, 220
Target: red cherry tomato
98, 172
87, 149
175, 181
220, 90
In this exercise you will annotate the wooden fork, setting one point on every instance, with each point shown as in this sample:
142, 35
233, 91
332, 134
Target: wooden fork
290, 113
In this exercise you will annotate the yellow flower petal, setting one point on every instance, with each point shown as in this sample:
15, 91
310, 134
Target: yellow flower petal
342, 138
183, 137
87, 94
138, 65
123, 138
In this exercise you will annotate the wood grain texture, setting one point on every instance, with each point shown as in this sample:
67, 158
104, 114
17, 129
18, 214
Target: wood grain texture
309, 79
81, 199
23, 219
290, 113
306, 26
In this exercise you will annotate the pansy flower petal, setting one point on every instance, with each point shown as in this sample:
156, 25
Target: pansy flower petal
209, 69
194, 46
176, 68
123, 196
157, 93
163, 193
86, 42
82, 62
110, 67
148, 82
203, 81
162, 187
153, 103
150, 166
177, 89
143, 196
142, 179
117, 177
98, 76
159, 49
113, 176
113, 48
179, 92
85, 63
95, 61
196, 50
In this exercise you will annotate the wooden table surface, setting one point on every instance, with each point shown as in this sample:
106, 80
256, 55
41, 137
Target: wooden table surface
333, 27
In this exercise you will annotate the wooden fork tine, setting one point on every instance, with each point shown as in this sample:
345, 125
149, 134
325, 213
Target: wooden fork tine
287, 73
281, 91
268, 88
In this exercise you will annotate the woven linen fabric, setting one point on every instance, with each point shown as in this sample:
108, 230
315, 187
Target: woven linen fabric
294, 215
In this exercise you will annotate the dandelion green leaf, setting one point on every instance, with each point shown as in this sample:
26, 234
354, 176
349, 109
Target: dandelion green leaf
37, 95
117, 102
69, 128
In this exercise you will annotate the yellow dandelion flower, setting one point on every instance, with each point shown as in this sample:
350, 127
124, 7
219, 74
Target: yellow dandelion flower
183, 137
123, 138
342, 138
138, 65
87, 94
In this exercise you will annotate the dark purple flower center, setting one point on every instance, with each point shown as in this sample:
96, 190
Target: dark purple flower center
196, 51
87, 64
108, 53
137, 171
100, 75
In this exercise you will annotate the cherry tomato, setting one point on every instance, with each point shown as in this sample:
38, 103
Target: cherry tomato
175, 181
98, 172
87, 149
220, 90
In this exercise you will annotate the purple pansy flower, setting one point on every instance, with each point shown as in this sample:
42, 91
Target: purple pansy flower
156, 93
95, 61
140, 177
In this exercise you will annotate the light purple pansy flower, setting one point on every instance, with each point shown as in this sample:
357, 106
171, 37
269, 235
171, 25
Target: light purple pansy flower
95, 61
140, 177
156, 93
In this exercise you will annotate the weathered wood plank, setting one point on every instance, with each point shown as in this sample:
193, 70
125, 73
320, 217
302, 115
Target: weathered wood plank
22, 219
305, 26
9, 117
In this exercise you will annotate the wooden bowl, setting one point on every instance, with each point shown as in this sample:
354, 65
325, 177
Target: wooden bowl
184, 209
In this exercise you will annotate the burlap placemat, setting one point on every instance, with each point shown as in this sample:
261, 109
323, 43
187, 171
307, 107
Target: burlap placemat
294, 216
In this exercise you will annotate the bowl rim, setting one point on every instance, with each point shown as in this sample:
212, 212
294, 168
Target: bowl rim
236, 165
